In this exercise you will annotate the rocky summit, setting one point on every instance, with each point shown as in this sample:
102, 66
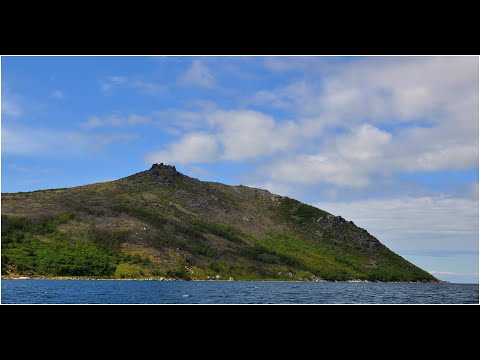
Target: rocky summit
162, 224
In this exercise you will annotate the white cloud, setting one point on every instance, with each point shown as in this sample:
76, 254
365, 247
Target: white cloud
148, 88
365, 119
296, 63
387, 89
456, 157
250, 134
352, 159
192, 148
41, 142
30, 141
239, 135
443, 90
314, 169
347, 160
112, 82
180, 120
11, 103
364, 143
57, 94
144, 87
197, 171
198, 74
301, 97
435, 272
268, 97
274, 188
131, 120
405, 224
99, 141
456, 277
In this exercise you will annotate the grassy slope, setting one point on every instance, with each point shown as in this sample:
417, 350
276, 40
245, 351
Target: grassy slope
160, 223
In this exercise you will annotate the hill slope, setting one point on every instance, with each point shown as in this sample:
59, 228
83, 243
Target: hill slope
161, 223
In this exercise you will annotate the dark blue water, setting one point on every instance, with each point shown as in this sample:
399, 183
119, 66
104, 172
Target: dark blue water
251, 292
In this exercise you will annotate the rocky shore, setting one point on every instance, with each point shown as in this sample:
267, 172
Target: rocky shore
316, 279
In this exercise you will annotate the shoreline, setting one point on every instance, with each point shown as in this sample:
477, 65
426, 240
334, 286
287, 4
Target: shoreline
211, 280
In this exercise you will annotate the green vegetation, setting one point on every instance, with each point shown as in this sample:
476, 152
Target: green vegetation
163, 224
225, 231
293, 210
152, 219
129, 271
31, 248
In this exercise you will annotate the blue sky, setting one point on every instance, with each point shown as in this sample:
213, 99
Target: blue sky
388, 142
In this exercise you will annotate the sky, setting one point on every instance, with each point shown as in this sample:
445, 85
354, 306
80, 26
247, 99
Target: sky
390, 143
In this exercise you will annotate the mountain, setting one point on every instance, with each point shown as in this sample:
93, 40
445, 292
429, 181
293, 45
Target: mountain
160, 223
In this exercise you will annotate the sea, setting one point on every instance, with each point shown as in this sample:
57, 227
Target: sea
231, 292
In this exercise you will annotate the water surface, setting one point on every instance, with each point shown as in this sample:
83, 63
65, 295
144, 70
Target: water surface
231, 292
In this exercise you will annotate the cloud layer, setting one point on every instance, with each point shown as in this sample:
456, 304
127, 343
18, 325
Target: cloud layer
368, 119
111, 83
131, 120
41, 142
425, 224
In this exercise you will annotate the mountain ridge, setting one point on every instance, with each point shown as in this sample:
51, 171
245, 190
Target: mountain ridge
160, 223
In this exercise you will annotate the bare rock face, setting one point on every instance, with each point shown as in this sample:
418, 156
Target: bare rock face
164, 174
161, 166
161, 169
342, 230
161, 174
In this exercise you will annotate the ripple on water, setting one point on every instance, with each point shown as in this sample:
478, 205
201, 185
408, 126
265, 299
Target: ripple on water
158, 292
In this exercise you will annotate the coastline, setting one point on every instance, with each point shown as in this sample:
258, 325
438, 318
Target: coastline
212, 280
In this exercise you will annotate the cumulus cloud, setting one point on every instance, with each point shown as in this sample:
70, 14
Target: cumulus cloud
353, 158
456, 157
198, 74
408, 224
192, 148
388, 89
239, 135
364, 143
348, 160
369, 118
385, 92
250, 134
